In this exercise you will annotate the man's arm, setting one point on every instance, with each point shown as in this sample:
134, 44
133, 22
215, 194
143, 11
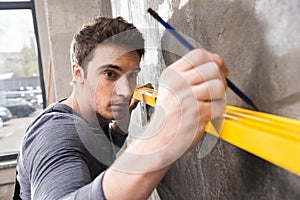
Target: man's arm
55, 159
190, 94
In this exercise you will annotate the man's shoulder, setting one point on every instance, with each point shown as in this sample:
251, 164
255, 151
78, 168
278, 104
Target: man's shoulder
53, 132
55, 123
54, 113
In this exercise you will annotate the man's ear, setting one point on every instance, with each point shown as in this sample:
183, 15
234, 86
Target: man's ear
78, 73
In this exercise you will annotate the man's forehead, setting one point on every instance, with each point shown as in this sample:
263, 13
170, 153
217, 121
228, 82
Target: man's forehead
113, 52
116, 67
112, 55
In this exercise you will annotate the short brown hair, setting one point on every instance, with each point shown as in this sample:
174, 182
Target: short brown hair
102, 29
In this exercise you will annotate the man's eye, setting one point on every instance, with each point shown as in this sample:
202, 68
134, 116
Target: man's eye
110, 75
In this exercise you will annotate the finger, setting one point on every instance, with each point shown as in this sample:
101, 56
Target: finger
209, 90
217, 59
192, 59
223, 69
211, 110
202, 73
149, 85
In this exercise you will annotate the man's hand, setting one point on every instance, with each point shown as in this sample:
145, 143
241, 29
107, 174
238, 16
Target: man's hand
190, 94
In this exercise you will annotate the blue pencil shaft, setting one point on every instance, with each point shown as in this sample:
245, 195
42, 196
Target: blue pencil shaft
183, 41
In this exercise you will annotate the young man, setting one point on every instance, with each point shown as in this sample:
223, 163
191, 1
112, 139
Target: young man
68, 151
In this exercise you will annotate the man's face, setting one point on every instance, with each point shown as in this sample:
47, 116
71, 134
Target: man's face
110, 80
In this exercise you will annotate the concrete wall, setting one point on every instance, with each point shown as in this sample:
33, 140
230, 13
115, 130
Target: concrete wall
259, 41
57, 22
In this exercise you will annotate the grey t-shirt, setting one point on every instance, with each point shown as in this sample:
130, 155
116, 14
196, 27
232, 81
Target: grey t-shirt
64, 157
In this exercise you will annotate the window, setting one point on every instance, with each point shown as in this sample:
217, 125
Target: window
21, 80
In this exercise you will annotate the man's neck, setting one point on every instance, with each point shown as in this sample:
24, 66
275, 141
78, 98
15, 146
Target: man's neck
86, 113
102, 121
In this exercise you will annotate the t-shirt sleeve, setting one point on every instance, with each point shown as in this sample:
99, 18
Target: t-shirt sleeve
90, 191
55, 161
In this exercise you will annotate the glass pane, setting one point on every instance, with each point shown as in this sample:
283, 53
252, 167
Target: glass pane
20, 92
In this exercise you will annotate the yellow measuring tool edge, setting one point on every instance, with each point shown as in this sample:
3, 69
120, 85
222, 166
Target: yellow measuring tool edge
270, 137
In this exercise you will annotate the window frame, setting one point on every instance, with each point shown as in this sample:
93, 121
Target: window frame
18, 5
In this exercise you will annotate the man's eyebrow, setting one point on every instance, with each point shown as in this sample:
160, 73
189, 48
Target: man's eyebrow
107, 66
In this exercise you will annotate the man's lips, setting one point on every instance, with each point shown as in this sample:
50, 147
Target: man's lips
119, 105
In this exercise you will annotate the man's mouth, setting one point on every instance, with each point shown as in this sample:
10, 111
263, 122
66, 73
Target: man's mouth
119, 106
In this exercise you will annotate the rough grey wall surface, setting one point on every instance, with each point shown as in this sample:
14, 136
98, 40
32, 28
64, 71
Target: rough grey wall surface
259, 41
63, 19
228, 173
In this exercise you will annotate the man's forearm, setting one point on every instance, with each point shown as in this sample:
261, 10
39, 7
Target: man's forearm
125, 185
141, 166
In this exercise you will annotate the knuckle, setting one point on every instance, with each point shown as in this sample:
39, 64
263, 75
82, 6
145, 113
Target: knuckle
215, 69
218, 58
196, 52
196, 57
215, 88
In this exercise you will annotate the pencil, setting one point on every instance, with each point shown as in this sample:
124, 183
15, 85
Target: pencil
183, 41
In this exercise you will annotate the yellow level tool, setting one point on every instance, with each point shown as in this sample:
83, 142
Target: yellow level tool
270, 137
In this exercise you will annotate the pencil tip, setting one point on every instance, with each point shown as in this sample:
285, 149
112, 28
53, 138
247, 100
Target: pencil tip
153, 13
254, 106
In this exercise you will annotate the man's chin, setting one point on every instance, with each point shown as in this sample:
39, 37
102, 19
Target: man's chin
119, 116
114, 114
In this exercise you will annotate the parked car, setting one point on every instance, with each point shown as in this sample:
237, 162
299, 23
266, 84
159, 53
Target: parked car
29, 95
18, 107
5, 114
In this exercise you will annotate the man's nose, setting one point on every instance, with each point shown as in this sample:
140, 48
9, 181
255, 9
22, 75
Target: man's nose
123, 87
